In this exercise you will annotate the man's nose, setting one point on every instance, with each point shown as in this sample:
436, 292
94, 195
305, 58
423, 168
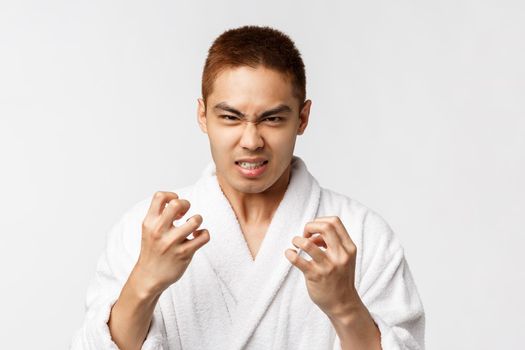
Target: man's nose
251, 138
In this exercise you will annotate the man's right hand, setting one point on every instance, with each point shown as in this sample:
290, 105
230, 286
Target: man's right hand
165, 254
165, 249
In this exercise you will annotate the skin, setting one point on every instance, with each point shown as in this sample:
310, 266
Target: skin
252, 92
166, 251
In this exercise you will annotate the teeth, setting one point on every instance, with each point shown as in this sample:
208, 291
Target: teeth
247, 165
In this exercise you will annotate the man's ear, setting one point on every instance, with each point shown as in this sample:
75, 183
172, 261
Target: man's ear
304, 114
201, 115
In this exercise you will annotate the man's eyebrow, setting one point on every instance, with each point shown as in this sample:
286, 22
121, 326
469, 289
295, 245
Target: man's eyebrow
279, 109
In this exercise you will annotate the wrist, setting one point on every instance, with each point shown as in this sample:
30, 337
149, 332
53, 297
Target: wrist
348, 315
348, 312
141, 286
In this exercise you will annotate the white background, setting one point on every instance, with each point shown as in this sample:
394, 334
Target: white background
418, 112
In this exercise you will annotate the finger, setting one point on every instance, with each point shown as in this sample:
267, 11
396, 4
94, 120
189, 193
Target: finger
298, 261
193, 235
197, 233
340, 230
158, 201
175, 209
201, 238
180, 233
318, 241
311, 248
327, 231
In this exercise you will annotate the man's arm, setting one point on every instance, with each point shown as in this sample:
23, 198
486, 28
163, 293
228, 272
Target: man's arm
356, 329
128, 321
164, 256
131, 315
112, 269
330, 282
386, 286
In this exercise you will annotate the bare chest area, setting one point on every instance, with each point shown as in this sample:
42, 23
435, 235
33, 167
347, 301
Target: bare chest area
254, 236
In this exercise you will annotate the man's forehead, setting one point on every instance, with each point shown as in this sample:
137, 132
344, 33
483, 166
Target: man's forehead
252, 90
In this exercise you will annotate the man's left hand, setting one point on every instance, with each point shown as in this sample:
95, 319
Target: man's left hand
330, 275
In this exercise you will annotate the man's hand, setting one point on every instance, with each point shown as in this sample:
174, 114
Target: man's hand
165, 251
330, 274
165, 254
330, 277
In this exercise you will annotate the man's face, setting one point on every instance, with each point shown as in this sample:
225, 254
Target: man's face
252, 114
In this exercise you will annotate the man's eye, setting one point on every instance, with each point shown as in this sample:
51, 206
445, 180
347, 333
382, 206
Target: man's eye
228, 117
274, 119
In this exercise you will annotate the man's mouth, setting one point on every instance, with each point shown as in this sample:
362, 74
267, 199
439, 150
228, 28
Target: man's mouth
251, 165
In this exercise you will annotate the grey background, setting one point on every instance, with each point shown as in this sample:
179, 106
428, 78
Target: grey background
418, 112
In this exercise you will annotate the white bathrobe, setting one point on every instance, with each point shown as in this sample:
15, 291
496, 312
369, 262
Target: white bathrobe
227, 300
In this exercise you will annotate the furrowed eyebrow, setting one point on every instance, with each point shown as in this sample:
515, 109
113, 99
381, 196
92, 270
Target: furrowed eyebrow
279, 109
224, 106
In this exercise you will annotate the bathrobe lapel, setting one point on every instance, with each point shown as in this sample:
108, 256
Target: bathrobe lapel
250, 286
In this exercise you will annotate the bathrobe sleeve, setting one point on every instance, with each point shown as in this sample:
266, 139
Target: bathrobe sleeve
387, 288
112, 271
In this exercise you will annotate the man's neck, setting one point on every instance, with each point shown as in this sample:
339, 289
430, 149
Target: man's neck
256, 208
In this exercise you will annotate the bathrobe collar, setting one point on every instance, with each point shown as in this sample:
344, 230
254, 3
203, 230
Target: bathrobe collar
252, 284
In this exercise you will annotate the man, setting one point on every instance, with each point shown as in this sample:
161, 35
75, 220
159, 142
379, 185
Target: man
255, 255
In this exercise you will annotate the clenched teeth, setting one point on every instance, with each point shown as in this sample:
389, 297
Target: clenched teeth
248, 165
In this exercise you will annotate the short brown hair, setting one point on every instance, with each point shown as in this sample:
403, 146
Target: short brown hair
253, 46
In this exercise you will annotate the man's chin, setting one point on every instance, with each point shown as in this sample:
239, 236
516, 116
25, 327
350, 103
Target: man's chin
250, 188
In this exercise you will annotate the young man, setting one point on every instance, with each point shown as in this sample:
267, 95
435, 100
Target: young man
254, 255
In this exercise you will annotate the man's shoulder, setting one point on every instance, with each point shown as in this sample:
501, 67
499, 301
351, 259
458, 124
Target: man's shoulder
341, 202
